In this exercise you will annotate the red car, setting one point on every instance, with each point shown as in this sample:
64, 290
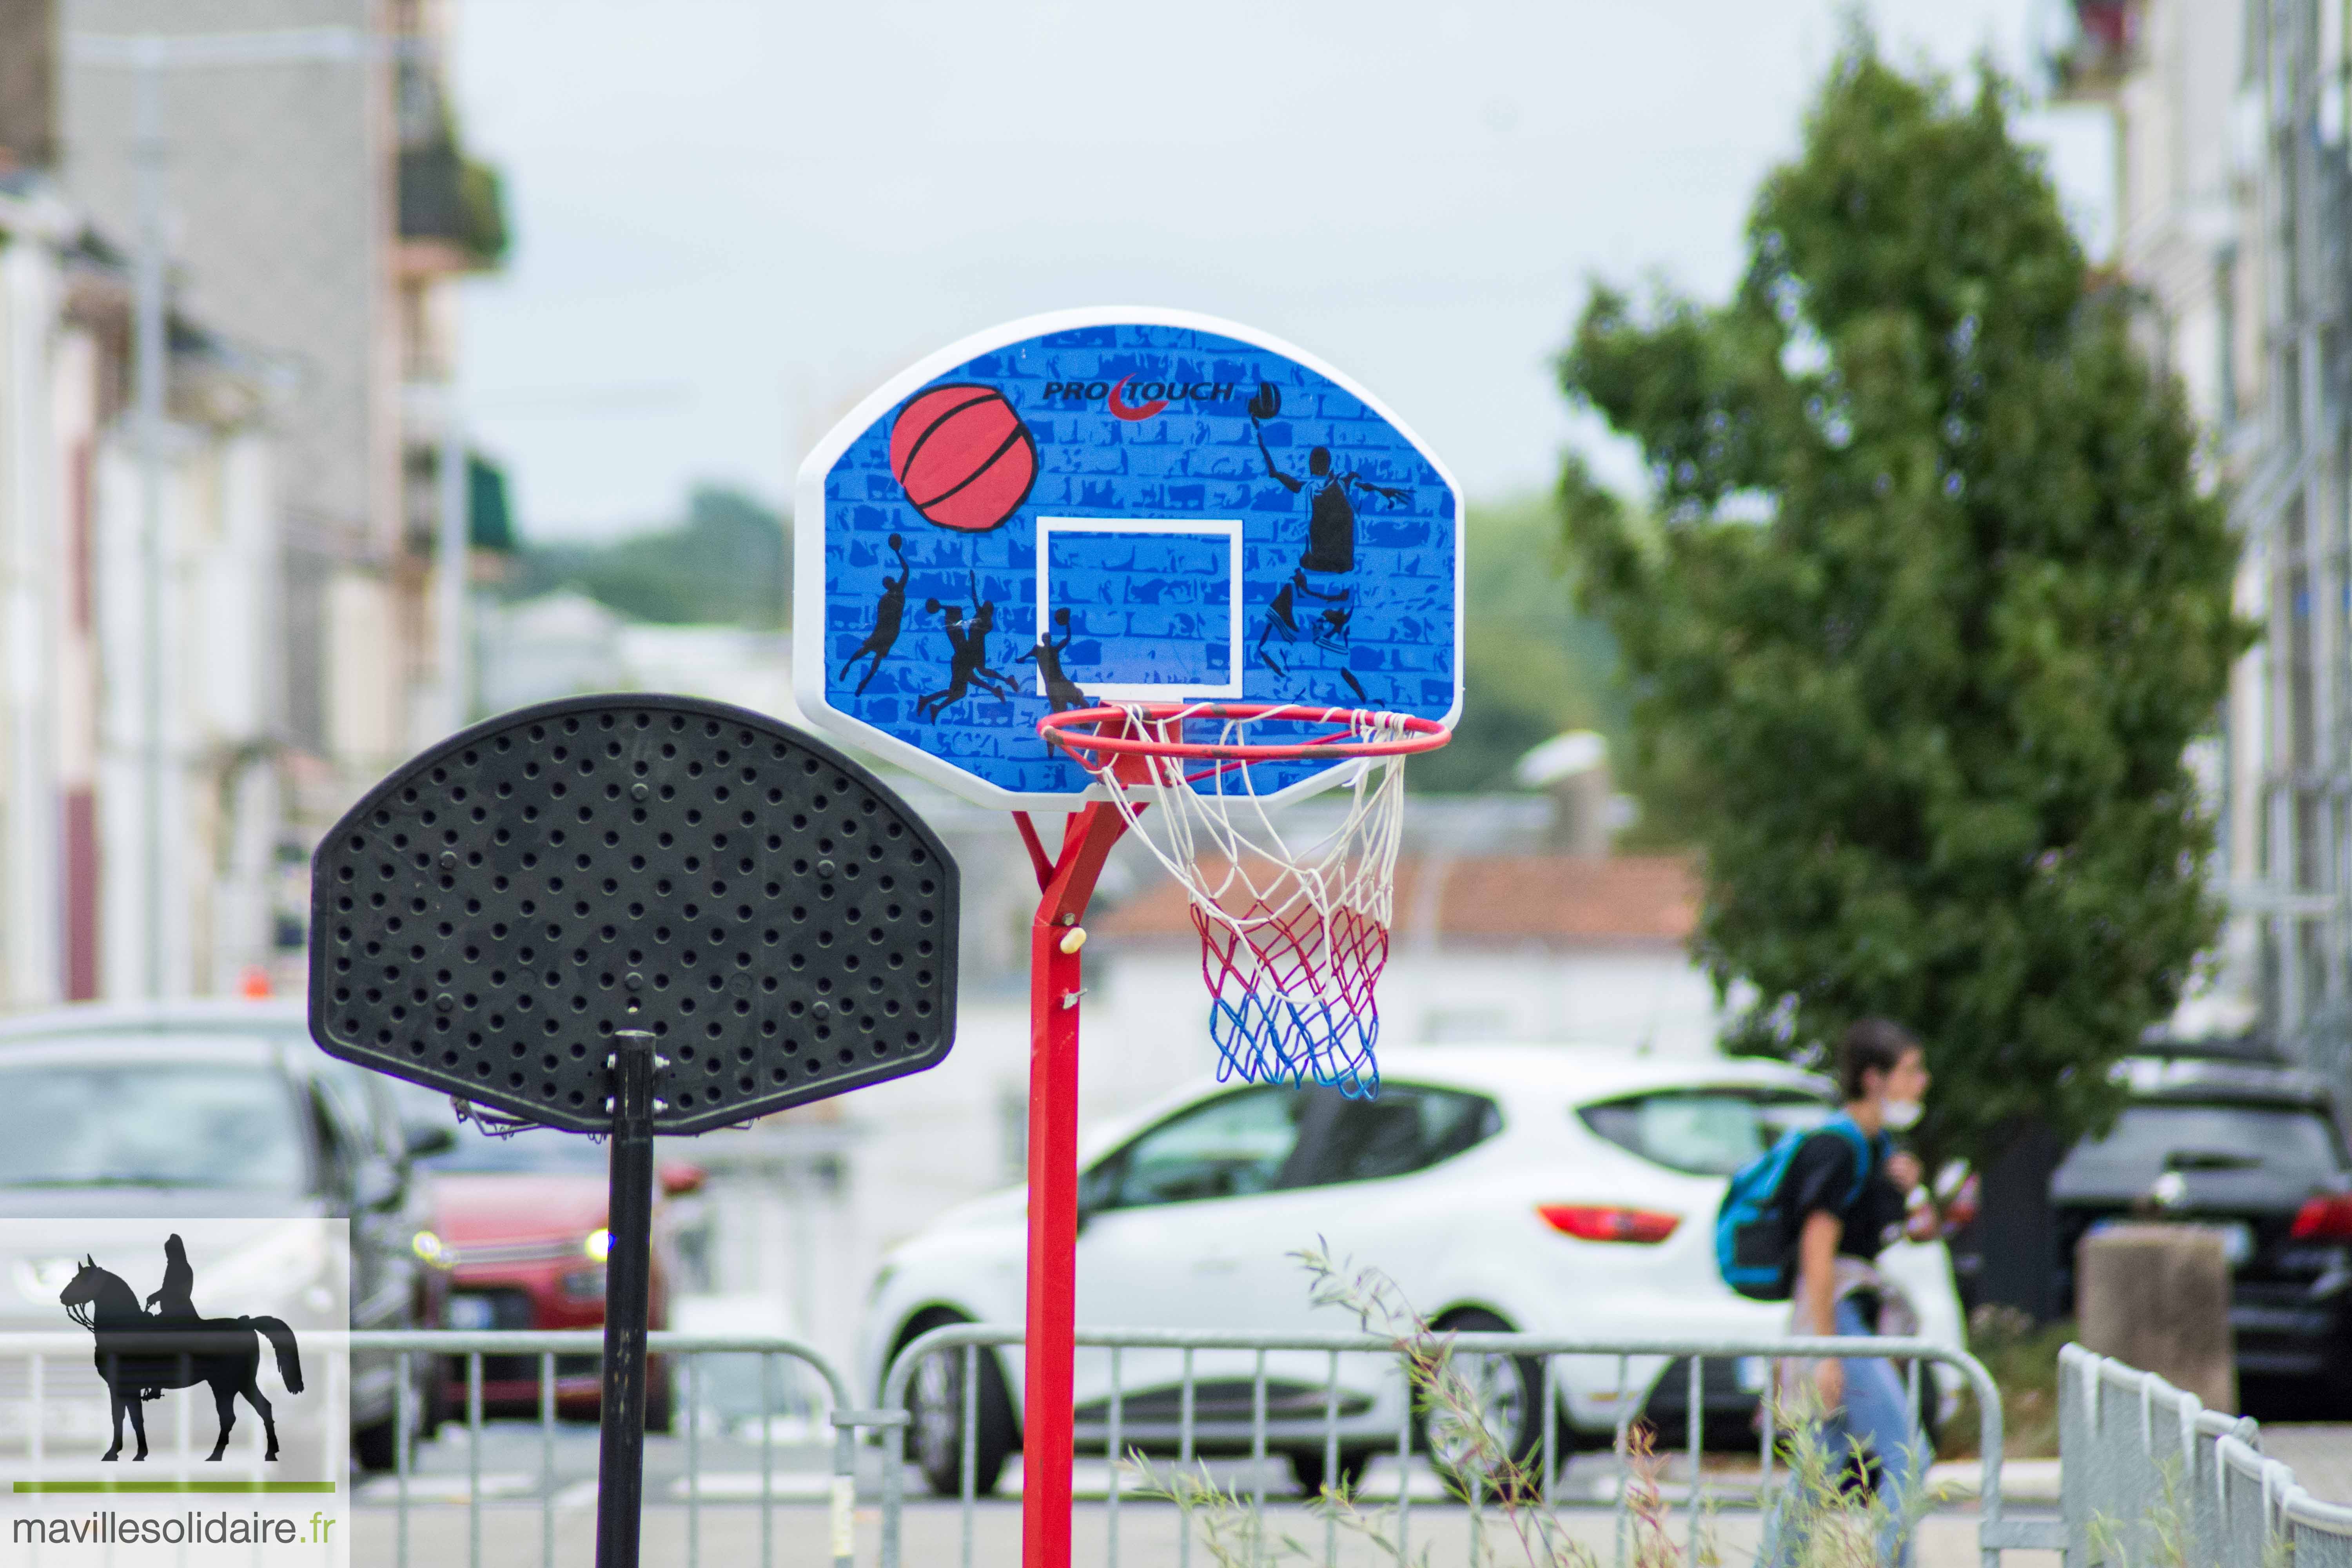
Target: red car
519, 1230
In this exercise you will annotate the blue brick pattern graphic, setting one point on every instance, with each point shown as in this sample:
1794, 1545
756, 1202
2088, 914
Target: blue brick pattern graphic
1196, 457
1145, 608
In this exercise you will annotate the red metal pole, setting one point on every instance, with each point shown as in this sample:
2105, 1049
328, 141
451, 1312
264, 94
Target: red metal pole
1055, 983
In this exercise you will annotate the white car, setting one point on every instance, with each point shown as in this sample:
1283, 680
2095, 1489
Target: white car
1558, 1190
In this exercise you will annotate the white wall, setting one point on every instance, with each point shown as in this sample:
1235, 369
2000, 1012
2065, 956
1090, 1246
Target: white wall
217, 628
31, 513
363, 684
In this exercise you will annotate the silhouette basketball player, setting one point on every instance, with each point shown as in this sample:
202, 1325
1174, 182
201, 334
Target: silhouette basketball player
1330, 514
967, 653
174, 1300
888, 612
1329, 629
1330, 553
1062, 694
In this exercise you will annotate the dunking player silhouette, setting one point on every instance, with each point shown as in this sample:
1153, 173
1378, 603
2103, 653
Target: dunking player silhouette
968, 655
888, 612
1062, 694
1330, 550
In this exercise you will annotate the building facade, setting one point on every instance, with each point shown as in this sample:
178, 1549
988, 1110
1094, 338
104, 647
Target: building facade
2234, 193
80, 854
216, 637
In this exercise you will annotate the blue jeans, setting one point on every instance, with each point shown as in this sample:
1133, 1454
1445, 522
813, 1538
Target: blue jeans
1878, 1418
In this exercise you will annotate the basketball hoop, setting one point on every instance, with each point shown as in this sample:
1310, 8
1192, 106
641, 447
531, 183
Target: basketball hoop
1292, 939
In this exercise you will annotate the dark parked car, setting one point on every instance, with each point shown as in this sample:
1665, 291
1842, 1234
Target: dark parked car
2225, 1134
221, 1110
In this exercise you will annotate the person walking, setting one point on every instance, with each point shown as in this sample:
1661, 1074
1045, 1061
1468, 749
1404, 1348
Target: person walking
1848, 1195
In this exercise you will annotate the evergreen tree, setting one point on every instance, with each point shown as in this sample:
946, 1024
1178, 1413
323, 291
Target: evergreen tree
728, 561
1532, 667
1927, 604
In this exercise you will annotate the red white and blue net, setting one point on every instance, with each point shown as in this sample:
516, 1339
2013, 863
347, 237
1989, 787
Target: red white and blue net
1294, 931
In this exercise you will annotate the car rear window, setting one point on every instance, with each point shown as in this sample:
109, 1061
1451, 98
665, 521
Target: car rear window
2150, 1139
149, 1125
1702, 1132
1409, 1128
538, 1149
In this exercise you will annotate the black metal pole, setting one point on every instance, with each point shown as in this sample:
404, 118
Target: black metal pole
628, 1267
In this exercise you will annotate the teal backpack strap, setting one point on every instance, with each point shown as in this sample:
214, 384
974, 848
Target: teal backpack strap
1865, 1149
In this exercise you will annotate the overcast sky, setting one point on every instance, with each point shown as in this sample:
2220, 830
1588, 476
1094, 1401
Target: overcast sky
735, 218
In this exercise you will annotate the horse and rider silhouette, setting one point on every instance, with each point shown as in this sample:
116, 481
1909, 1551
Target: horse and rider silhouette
140, 1354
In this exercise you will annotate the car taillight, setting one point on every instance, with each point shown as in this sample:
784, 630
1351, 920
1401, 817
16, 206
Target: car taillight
2327, 1217
1602, 1222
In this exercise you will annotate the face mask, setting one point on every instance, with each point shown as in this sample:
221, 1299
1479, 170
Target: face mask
1900, 1114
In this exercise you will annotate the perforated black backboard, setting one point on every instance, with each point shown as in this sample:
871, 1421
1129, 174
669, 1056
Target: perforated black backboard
491, 912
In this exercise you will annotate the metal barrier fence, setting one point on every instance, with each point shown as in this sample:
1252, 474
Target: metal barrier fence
2149, 1473
1189, 1435
1186, 1418
686, 1354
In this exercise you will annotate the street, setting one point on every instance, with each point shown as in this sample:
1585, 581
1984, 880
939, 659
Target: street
933, 1537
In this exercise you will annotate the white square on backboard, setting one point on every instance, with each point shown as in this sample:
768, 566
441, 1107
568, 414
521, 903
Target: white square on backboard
1226, 532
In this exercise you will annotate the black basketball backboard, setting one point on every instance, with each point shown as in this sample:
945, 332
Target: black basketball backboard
491, 912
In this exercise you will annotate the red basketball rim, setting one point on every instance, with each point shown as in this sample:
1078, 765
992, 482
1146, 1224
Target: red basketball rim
1114, 734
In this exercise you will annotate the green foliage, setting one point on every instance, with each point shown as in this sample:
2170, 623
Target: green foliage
482, 197
1818, 1520
1532, 666
1931, 605
728, 561
489, 519
2022, 1357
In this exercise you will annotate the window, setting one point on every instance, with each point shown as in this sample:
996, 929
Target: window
1409, 1128
1229, 1148
364, 1107
2150, 1139
1702, 1132
149, 1125
534, 1149
338, 1157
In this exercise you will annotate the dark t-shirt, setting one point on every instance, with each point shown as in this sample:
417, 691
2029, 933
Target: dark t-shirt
1821, 1174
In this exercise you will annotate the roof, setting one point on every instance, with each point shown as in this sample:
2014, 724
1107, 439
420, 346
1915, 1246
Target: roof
1565, 1072
112, 1048
1579, 1071
1558, 899
2198, 1078
224, 1015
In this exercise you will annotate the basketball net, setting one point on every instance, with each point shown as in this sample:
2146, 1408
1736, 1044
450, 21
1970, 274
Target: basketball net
1293, 938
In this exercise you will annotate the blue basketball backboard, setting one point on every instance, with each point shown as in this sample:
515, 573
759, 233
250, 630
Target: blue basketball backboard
1116, 505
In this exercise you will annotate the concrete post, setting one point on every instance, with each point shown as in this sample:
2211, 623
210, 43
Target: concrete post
2157, 1297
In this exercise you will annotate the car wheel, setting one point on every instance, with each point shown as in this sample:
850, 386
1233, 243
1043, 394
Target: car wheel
1507, 1394
432, 1397
935, 1413
660, 1414
377, 1447
1931, 1408
1306, 1469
